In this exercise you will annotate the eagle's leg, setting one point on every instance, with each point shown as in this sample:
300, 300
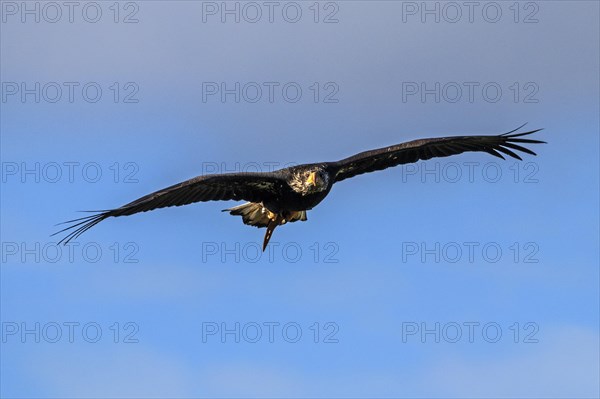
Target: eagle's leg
273, 223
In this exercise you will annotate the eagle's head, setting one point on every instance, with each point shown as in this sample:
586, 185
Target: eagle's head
310, 181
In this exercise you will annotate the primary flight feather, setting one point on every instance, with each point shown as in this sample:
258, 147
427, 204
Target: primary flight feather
284, 195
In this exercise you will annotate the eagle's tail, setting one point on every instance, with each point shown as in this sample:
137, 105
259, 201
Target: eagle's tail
252, 214
255, 214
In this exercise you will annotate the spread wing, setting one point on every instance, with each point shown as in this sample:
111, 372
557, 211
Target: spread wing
413, 151
253, 187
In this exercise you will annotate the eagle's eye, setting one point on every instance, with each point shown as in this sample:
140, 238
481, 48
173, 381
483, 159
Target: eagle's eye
323, 177
319, 179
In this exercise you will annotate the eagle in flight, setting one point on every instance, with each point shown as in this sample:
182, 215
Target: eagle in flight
284, 195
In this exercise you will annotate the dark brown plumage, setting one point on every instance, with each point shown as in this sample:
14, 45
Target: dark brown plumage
285, 195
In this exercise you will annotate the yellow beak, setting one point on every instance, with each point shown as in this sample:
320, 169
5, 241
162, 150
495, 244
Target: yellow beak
311, 179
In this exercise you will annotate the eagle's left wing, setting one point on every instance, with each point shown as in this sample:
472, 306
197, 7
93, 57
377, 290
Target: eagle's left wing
253, 187
413, 151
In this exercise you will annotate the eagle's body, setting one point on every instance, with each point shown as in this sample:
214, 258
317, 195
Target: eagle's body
285, 195
298, 192
290, 203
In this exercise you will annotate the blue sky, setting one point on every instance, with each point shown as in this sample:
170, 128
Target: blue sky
460, 277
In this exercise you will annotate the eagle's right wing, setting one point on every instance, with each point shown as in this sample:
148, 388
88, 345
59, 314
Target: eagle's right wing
423, 149
253, 187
